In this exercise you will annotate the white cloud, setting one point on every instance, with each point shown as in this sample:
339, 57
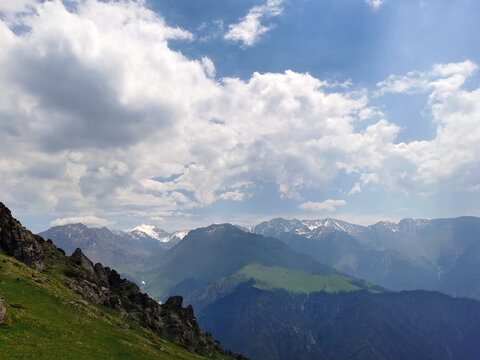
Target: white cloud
357, 188
249, 30
451, 155
12, 10
374, 3
365, 179
157, 219
209, 66
369, 178
416, 81
88, 220
327, 205
233, 195
131, 126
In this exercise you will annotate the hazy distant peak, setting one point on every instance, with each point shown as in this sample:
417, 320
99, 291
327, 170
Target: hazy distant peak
306, 228
214, 228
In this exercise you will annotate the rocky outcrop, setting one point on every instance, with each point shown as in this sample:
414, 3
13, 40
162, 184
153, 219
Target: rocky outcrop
3, 311
19, 242
103, 285
181, 322
82, 261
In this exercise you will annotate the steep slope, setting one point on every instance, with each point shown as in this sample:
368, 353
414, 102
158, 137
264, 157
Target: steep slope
280, 325
77, 310
119, 250
207, 254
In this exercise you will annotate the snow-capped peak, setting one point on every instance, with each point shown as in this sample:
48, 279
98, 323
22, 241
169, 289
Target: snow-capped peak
150, 230
180, 234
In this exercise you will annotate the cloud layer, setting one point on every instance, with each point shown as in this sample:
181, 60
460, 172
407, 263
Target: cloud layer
99, 115
88, 220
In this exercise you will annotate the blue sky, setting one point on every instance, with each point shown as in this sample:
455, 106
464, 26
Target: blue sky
183, 113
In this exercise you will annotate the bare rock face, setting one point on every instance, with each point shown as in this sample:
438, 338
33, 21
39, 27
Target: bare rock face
84, 262
3, 311
182, 323
19, 242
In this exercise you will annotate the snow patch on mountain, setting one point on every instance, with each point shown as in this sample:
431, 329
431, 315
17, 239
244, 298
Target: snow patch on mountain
144, 230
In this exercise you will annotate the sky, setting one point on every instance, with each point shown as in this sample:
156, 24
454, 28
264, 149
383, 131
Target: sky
183, 113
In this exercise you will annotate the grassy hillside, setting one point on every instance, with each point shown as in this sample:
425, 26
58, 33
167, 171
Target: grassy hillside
46, 320
274, 277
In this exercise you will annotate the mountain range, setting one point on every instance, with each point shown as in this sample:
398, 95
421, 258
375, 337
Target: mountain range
289, 289
128, 251
207, 254
439, 254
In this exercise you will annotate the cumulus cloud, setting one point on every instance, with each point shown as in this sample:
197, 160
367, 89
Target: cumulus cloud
418, 82
99, 115
249, 30
327, 205
451, 155
89, 220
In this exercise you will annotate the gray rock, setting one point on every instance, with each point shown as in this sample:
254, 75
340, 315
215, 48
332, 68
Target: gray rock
19, 242
84, 262
3, 311
102, 275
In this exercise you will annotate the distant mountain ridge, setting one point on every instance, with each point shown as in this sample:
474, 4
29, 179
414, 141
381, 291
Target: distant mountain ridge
102, 245
412, 254
210, 253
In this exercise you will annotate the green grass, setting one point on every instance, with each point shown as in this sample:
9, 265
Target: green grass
46, 320
273, 277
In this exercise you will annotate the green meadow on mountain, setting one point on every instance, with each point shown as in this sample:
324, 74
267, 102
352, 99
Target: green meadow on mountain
296, 281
